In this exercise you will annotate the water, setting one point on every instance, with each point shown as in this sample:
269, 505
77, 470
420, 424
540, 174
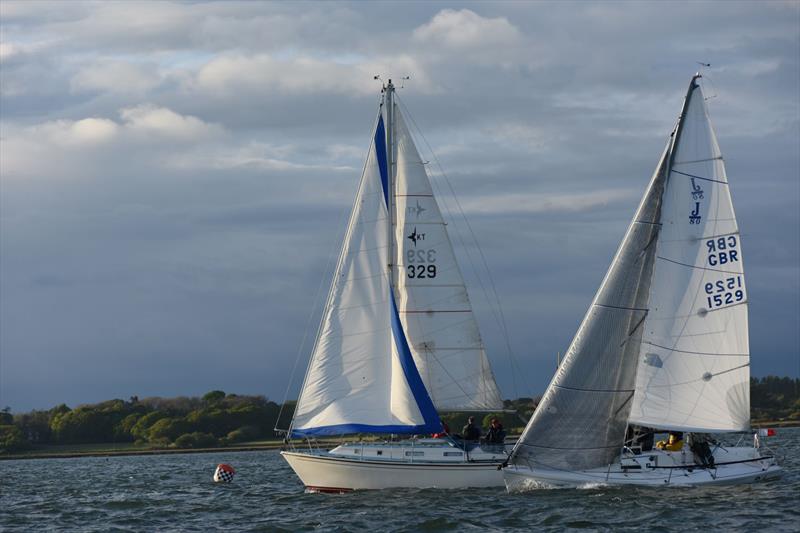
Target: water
175, 493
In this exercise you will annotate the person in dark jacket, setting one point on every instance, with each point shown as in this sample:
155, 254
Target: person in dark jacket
496, 433
471, 431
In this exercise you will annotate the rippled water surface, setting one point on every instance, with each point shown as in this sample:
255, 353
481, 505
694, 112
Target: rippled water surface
175, 493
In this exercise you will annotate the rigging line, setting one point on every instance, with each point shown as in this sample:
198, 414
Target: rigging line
699, 267
613, 391
699, 379
696, 353
501, 318
642, 309
718, 158
698, 177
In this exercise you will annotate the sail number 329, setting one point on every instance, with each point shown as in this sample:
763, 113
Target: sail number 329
420, 264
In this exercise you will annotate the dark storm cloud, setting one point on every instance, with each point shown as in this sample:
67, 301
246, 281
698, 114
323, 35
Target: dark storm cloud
175, 176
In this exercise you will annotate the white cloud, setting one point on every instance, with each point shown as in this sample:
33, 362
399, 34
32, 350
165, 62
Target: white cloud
467, 29
59, 147
85, 132
7, 50
229, 75
148, 120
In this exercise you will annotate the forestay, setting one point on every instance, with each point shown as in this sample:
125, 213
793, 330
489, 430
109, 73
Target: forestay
432, 298
694, 361
361, 377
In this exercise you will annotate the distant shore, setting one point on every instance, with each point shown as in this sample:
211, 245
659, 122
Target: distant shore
127, 449
44, 453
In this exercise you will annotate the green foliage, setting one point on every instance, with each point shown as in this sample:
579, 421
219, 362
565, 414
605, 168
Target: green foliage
158, 422
487, 420
11, 439
195, 440
168, 428
773, 398
35, 426
141, 429
85, 424
243, 434
213, 397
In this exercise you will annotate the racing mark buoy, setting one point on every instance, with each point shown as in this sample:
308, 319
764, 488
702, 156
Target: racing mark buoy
224, 473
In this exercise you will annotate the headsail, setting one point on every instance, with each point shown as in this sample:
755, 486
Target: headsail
432, 298
580, 422
694, 363
362, 377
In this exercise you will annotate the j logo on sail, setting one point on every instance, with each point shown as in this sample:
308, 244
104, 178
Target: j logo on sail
697, 191
695, 217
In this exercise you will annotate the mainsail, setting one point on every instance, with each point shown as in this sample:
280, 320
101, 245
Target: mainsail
394, 343
694, 365
433, 301
662, 309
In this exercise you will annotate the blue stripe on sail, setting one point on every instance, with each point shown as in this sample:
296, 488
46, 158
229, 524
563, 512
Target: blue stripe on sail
344, 429
380, 153
424, 402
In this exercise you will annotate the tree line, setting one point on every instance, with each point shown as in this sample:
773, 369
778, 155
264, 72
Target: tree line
216, 419
220, 419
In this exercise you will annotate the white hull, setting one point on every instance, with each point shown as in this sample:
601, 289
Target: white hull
745, 466
337, 474
334, 471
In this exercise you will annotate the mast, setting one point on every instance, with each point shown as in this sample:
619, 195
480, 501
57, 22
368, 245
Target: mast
681, 119
390, 157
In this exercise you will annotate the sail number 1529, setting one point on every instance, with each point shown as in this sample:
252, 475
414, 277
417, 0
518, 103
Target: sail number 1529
420, 264
724, 292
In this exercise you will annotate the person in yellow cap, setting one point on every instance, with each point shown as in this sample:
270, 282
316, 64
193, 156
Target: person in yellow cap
673, 444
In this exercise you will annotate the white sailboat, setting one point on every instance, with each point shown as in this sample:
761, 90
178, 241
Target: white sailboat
664, 344
398, 340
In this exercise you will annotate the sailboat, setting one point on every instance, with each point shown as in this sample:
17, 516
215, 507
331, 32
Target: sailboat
664, 345
398, 341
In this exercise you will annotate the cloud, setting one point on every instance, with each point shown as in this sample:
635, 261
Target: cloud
85, 132
229, 75
255, 156
116, 76
466, 29
147, 119
535, 203
84, 146
7, 50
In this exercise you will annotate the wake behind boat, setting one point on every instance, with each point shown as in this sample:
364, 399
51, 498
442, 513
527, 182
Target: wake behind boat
398, 340
663, 346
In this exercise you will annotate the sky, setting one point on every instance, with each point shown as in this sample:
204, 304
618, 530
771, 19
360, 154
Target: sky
175, 177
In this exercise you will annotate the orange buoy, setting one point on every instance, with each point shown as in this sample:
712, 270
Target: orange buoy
224, 473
